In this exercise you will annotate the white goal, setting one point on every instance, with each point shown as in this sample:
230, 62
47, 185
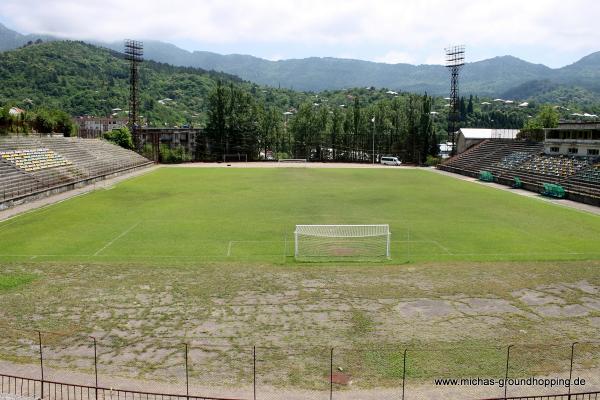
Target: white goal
342, 241
235, 157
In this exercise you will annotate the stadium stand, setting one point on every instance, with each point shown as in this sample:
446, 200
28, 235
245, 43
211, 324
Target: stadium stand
554, 166
490, 155
512, 161
590, 175
586, 181
30, 164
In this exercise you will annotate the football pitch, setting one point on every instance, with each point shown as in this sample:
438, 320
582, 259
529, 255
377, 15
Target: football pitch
177, 214
205, 256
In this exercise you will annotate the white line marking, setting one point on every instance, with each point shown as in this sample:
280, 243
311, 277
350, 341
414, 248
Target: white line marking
581, 207
9, 224
440, 246
216, 257
117, 238
231, 243
425, 241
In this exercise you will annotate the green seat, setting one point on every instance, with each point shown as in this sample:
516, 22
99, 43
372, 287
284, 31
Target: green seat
486, 176
553, 190
517, 184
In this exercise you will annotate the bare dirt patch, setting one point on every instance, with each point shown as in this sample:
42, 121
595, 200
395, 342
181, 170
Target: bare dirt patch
142, 319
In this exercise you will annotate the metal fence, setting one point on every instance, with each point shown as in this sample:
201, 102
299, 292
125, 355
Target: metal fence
58, 367
36, 388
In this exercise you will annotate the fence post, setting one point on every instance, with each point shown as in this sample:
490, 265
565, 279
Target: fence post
254, 371
187, 381
331, 375
404, 372
571, 369
506, 372
95, 366
41, 361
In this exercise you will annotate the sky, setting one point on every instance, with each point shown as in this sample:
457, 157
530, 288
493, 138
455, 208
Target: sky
550, 32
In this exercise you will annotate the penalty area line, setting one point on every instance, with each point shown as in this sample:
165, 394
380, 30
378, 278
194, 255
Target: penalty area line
232, 242
435, 242
125, 232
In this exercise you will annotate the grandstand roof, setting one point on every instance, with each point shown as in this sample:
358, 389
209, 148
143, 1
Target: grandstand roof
485, 133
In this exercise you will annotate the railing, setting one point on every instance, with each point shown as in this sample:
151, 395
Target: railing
51, 390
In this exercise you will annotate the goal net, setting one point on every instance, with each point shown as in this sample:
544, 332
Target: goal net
292, 160
314, 242
235, 157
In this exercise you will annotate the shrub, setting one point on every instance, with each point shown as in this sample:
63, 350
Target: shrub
174, 156
120, 137
432, 161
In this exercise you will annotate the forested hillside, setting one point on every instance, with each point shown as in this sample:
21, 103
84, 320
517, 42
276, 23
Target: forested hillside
239, 116
491, 78
83, 79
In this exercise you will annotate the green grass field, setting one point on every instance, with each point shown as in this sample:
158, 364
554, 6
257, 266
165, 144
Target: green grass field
250, 214
204, 256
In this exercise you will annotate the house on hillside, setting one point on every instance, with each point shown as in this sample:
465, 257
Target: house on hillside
14, 111
93, 127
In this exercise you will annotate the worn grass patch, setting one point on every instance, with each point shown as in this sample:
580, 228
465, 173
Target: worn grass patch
455, 318
11, 281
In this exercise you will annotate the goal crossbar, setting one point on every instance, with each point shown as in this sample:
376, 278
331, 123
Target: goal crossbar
343, 230
235, 157
348, 241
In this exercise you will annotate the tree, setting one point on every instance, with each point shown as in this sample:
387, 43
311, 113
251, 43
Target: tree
425, 129
301, 128
411, 130
336, 131
6, 120
547, 117
43, 122
462, 109
63, 123
356, 145
241, 123
269, 128
533, 128
121, 137
470, 105
216, 126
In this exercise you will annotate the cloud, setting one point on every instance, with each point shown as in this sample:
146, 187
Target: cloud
395, 57
403, 29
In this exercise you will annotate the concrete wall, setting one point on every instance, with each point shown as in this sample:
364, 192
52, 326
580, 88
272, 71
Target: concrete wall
564, 145
463, 144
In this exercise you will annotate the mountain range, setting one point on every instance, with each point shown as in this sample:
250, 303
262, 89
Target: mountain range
505, 76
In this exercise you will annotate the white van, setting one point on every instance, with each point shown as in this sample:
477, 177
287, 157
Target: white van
390, 161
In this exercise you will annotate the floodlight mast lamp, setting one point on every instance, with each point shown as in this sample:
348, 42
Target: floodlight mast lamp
134, 53
455, 59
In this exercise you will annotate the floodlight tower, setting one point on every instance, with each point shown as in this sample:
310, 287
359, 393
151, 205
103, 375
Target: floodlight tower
455, 59
134, 52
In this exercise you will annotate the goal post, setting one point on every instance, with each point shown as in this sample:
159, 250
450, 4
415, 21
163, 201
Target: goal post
240, 157
360, 242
